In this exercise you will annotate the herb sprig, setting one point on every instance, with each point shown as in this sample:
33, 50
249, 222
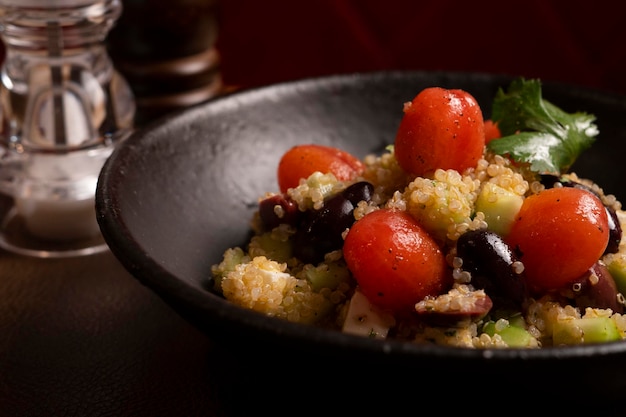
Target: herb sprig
537, 132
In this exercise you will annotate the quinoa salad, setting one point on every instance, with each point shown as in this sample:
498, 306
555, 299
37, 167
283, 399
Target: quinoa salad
466, 231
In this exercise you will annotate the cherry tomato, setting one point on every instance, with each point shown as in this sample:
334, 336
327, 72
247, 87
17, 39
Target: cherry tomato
303, 160
440, 128
492, 131
395, 262
558, 235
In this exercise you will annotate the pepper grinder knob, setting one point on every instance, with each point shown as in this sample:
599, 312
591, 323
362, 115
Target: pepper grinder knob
167, 51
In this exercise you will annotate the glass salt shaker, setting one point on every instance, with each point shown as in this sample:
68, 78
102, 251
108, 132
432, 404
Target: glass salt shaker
63, 109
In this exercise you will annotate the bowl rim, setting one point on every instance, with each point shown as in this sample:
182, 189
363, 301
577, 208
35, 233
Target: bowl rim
198, 301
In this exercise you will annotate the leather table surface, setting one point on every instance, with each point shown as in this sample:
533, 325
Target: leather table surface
81, 337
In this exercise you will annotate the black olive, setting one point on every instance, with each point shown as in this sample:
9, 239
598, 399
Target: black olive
597, 289
615, 231
320, 231
278, 209
359, 191
494, 267
548, 180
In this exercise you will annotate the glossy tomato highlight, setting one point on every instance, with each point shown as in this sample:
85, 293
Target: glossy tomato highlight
558, 235
440, 128
395, 262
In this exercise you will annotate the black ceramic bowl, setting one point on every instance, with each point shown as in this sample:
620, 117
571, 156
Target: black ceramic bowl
176, 194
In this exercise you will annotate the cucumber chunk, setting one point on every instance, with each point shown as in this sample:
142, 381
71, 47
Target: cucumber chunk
329, 275
500, 206
513, 335
617, 268
584, 330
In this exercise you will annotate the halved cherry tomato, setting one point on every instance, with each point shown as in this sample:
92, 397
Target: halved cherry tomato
492, 131
558, 235
395, 262
303, 160
440, 128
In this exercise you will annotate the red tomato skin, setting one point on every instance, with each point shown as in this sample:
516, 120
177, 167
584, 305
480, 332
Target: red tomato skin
302, 160
440, 128
492, 131
559, 234
394, 261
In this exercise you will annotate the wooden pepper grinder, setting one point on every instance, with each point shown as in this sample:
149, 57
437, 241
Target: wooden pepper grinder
166, 51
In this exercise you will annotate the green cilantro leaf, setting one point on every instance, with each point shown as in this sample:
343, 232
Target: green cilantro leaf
536, 132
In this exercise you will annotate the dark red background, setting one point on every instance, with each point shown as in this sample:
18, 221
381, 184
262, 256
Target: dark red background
579, 42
